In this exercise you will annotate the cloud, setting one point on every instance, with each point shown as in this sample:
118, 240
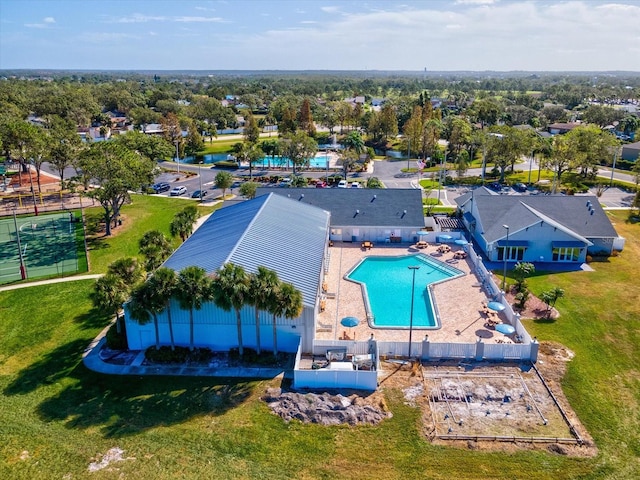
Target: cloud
330, 9
46, 23
199, 19
140, 18
475, 2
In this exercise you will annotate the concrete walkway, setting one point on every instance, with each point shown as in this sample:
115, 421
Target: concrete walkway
50, 281
92, 360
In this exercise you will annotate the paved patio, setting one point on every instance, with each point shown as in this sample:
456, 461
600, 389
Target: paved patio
459, 300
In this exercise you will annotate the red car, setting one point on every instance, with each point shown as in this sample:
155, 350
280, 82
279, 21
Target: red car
321, 185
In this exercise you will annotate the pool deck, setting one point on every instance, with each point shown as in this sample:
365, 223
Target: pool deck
459, 300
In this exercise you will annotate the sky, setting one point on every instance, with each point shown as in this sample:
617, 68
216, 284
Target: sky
409, 35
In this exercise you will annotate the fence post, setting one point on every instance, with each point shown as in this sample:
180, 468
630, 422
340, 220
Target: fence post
535, 347
479, 350
425, 348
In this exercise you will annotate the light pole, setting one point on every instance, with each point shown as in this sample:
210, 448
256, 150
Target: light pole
177, 156
440, 174
413, 269
504, 257
23, 271
200, 178
613, 168
408, 154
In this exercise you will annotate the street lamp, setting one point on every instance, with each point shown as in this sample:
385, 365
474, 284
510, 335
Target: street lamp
177, 156
504, 257
408, 154
413, 268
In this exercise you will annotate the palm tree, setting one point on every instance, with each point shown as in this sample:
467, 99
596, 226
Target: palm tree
155, 247
230, 290
286, 301
181, 225
163, 282
144, 303
109, 294
262, 286
194, 288
128, 270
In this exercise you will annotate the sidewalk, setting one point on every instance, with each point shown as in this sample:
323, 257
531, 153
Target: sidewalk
50, 281
92, 360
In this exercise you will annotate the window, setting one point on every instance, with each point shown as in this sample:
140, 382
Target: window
566, 254
515, 254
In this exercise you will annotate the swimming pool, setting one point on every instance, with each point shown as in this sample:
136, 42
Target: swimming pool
386, 287
319, 161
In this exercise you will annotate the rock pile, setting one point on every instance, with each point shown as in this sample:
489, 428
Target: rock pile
324, 409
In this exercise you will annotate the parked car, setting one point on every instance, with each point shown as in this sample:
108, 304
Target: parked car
520, 187
495, 186
176, 191
355, 185
199, 194
285, 182
160, 187
343, 184
321, 185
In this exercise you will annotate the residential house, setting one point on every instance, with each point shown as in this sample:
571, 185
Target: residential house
631, 151
562, 128
537, 228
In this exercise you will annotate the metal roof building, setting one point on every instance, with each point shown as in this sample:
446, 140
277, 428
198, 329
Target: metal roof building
271, 231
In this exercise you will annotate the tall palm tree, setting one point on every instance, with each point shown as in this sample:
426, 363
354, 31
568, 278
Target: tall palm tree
145, 303
163, 282
156, 249
230, 290
128, 270
262, 286
194, 288
286, 301
109, 294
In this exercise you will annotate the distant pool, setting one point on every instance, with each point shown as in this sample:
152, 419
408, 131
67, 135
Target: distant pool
319, 161
386, 286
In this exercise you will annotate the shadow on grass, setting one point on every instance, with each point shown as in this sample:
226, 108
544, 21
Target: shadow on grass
93, 319
121, 405
51, 368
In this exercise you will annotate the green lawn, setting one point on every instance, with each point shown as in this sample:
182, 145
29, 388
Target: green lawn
143, 214
56, 416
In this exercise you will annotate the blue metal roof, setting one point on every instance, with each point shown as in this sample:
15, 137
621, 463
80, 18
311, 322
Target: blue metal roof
271, 231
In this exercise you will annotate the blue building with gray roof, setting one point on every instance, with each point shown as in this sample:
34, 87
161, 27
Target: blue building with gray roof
537, 228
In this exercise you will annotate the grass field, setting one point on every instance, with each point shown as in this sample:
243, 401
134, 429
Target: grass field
143, 214
56, 417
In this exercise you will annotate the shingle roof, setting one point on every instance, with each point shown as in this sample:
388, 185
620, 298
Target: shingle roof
271, 231
520, 211
377, 207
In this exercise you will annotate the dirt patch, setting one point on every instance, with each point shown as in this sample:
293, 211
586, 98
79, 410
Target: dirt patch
534, 308
103, 461
493, 407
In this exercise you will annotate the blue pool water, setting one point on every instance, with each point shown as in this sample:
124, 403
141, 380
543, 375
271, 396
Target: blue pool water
320, 161
387, 282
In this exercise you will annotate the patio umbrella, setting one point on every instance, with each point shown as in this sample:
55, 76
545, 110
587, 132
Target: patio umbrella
496, 306
422, 232
505, 328
350, 322
444, 238
461, 242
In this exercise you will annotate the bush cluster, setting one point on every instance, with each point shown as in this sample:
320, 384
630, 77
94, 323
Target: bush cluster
115, 340
164, 355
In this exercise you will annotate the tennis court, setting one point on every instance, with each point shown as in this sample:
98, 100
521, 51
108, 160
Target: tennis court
45, 245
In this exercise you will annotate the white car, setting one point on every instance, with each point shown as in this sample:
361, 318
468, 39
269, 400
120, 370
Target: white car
176, 191
343, 184
355, 185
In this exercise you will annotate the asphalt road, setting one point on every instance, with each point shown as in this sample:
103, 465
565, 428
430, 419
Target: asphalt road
388, 171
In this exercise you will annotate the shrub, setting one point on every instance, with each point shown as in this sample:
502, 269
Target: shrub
115, 340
